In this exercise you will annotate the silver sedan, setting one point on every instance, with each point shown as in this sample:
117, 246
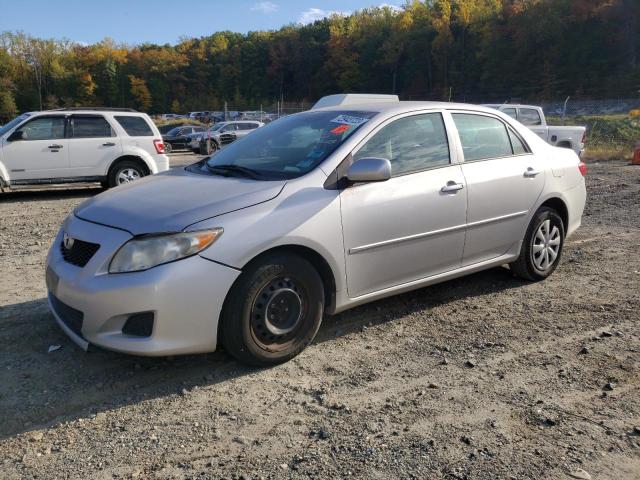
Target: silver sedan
310, 215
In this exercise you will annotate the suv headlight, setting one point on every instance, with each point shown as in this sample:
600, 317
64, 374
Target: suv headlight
147, 252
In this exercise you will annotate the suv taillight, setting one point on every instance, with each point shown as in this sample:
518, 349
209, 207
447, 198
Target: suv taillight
584, 138
159, 144
583, 168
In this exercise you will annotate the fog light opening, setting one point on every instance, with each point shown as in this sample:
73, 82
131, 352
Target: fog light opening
139, 324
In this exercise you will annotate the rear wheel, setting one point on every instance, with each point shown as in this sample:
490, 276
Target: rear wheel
125, 172
542, 246
167, 147
273, 310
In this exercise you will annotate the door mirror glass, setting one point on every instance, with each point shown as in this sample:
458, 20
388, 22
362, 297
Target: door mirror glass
370, 170
17, 135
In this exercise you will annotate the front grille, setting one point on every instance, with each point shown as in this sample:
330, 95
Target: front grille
80, 252
71, 317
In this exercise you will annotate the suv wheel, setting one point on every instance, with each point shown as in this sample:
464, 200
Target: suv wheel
167, 147
273, 311
125, 172
542, 246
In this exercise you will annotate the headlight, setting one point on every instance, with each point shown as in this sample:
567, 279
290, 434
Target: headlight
147, 252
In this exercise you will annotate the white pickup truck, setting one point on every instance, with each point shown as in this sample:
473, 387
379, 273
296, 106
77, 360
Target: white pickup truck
533, 117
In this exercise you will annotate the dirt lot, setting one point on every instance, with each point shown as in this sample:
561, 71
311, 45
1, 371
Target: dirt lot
479, 378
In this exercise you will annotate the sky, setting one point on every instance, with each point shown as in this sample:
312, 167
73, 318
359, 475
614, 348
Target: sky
162, 21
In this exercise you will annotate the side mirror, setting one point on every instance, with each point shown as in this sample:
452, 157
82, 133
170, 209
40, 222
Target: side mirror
17, 135
370, 170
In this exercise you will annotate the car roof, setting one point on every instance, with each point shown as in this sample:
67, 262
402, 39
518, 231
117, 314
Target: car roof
509, 105
88, 110
403, 106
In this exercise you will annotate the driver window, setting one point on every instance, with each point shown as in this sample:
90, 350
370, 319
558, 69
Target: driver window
44, 128
411, 144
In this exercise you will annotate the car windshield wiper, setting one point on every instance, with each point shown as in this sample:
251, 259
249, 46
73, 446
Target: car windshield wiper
231, 170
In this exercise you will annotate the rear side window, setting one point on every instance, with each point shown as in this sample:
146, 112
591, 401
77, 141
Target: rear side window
482, 137
411, 144
247, 126
519, 147
530, 117
134, 126
511, 112
90, 127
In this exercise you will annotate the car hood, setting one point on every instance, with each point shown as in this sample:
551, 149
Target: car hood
173, 200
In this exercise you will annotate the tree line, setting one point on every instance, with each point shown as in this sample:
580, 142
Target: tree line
465, 50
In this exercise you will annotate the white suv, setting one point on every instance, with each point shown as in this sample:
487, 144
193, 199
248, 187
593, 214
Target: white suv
111, 146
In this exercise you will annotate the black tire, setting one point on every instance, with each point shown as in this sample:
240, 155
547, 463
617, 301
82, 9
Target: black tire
123, 166
207, 147
527, 264
167, 147
271, 284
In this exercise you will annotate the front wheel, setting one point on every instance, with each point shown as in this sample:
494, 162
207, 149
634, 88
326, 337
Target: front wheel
207, 147
273, 311
167, 147
542, 246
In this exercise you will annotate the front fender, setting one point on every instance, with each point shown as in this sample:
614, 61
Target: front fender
304, 215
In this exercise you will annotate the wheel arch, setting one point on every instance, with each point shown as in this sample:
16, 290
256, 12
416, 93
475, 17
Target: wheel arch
132, 158
316, 260
557, 204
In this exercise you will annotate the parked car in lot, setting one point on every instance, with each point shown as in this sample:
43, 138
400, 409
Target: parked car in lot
178, 137
533, 117
111, 146
222, 134
315, 213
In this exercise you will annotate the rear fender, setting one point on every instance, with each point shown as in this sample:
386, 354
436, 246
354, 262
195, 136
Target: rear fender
142, 154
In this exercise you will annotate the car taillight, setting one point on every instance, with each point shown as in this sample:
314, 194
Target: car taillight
583, 168
584, 137
159, 144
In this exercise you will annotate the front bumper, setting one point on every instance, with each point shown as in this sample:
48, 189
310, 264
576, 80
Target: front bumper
92, 306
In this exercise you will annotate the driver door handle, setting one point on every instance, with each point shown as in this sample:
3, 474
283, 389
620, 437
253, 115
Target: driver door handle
531, 173
452, 187
108, 144
57, 147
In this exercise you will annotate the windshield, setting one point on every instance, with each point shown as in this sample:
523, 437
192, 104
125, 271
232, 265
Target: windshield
291, 146
13, 123
173, 131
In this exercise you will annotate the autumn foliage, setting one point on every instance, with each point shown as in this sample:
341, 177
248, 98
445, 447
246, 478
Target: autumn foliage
473, 50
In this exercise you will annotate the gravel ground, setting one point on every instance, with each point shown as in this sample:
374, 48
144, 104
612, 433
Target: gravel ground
482, 377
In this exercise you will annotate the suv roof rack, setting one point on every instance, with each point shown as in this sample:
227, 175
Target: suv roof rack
95, 109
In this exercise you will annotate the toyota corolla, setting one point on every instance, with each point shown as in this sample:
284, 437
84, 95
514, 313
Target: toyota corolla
352, 201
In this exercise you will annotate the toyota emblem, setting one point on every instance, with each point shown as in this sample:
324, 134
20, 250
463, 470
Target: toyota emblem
67, 241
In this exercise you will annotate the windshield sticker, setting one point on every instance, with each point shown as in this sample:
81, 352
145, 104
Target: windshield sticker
341, 129
350, 120
304, 164
314, 154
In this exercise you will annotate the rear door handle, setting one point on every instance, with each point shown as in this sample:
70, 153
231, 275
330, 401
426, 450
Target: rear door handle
452, 187
108, 144
56, 147
530, 173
